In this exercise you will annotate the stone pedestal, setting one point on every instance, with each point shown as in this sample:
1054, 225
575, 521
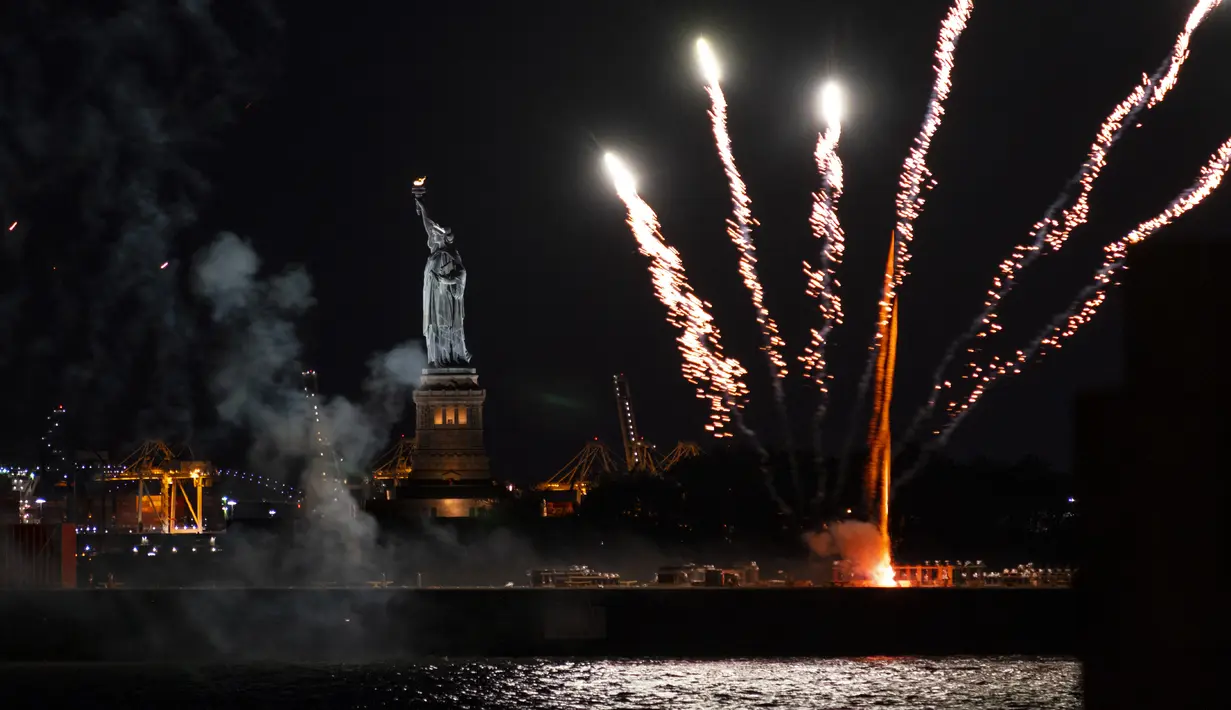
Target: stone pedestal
449, 427
450, 476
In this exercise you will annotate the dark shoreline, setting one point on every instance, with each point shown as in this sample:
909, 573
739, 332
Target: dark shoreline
347, 624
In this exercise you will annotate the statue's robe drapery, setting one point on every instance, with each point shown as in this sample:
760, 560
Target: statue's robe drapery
444, 288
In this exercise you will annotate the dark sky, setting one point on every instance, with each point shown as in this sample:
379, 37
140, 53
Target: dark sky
508, 111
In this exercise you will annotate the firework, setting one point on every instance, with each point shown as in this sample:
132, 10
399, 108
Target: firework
1180, 53
1083, 309
822, 283
718, 379
910, 200
739, 228
880, 446
1050, 233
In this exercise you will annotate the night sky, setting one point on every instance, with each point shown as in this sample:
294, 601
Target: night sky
508, 111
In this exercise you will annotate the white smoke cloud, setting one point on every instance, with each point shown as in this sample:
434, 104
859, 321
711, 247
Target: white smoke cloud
856, 541
255, 382
98, 164
258, 388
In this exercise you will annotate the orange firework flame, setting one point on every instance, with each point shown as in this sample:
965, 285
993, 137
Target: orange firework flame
880, 442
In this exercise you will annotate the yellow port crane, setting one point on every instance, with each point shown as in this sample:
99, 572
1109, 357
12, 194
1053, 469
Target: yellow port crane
577, 477
398, 463
582, 472
682, 450
154, 462
641, 456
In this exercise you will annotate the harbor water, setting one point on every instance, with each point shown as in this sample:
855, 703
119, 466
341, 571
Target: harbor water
987, 683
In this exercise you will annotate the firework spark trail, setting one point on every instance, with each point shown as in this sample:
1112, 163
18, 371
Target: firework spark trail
1088, 302
822, 282
1083, 309
739, 229
1050, 233
718, 379
1180, 53
910, 200
827, 228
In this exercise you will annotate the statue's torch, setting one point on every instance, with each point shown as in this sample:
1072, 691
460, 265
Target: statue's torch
419, 187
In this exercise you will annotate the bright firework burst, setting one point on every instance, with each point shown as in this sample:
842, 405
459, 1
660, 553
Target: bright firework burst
1050, 233
739, 229
719, 379
1092, 297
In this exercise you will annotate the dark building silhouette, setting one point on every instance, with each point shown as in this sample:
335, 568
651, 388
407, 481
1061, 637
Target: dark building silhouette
1153, 489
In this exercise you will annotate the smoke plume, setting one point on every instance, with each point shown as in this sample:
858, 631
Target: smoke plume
105, 112
258, 390
855, 541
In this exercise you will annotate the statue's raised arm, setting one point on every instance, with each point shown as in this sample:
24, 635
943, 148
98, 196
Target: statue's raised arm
437, 235
444, 286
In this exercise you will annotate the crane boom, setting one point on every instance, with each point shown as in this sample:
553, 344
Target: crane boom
628, 423
637, 454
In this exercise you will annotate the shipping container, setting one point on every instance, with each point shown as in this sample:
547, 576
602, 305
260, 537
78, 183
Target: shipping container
38, 556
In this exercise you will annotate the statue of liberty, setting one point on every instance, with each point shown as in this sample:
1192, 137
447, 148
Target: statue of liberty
444, 285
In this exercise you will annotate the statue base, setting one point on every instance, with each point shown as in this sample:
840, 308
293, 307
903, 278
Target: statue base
450, 476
